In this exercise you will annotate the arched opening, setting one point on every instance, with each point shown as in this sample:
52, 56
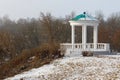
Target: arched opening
89, 34
78, 34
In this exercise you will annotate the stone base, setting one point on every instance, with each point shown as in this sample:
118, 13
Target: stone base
71, 53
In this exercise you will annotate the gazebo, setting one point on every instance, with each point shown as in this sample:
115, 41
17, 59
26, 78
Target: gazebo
84, 20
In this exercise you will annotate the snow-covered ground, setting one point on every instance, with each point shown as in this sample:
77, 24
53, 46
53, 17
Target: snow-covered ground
76, 68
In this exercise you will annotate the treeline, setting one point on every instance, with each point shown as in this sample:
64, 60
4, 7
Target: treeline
109, 30
16, 36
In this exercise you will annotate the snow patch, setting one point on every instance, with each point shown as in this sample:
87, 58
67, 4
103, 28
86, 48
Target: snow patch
76, 68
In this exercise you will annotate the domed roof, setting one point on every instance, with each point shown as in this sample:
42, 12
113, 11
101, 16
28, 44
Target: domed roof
83, 16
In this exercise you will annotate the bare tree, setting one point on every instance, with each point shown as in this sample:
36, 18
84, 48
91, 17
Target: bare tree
46, 23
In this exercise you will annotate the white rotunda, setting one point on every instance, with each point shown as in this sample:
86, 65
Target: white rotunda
84, 20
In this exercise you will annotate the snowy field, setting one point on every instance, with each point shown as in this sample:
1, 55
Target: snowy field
76, 68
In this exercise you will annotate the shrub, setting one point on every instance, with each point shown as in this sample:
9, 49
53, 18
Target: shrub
86, 53
49, 51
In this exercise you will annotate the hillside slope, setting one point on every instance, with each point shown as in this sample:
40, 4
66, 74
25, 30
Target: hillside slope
76, 68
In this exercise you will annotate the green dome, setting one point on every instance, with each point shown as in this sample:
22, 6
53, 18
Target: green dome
83, 16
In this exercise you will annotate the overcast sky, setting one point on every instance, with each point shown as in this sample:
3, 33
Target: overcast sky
31, 8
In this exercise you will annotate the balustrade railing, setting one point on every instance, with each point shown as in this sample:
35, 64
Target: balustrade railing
87, 46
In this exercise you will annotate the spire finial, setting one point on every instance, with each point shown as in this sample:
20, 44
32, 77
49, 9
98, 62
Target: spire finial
84, 12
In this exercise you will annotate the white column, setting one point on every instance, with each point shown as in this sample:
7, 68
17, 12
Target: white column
95, 36
72, 36
84, 36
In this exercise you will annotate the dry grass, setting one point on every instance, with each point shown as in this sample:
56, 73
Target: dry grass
28, 59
